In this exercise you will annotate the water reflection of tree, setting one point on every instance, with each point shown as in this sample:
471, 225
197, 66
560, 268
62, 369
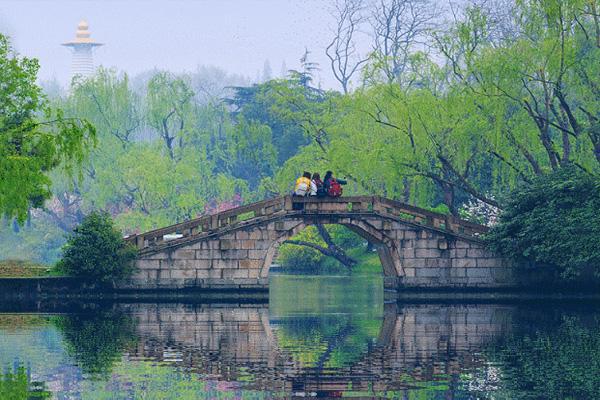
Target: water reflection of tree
17, 385
558, 362
327, 341
98, 339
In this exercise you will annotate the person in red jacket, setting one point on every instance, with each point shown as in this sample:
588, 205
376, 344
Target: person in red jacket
332, 185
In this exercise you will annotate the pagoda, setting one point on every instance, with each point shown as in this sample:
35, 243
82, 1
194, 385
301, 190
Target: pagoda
82, 47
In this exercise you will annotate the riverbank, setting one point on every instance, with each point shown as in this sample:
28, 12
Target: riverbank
24, 269
67, 288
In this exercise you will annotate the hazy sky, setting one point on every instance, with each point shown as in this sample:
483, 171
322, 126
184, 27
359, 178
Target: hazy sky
236, 35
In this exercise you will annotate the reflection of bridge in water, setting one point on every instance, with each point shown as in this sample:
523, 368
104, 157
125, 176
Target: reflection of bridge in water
411, 345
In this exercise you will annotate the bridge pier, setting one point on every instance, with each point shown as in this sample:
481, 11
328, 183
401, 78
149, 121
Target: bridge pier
234, 250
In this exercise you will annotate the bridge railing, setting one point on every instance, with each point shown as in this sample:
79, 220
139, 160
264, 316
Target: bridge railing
282, 205
208, 223
429, 218
393, 208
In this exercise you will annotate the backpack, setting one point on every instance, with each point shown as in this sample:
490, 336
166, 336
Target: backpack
320, 188
335, 189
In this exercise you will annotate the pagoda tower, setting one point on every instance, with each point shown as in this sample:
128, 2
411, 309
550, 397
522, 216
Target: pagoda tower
82, 47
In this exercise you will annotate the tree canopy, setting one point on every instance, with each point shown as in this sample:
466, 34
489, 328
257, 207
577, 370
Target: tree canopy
35, 137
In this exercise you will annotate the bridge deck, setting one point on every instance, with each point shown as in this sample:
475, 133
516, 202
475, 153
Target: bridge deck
289, 205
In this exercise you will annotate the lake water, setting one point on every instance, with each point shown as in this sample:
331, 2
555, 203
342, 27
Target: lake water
318, 337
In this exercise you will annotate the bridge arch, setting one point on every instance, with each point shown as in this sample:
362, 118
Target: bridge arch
386, 247
234, 249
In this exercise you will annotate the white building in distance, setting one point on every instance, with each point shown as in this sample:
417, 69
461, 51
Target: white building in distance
82, 47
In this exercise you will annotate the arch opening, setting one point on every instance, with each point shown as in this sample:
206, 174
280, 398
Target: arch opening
388, 256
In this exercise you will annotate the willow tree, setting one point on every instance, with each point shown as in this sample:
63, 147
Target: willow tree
536, 86
34, 137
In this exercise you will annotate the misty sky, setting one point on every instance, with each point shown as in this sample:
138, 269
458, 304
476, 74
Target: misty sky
236, 35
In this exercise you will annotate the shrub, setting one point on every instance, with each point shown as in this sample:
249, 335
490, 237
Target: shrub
554, 221
96, 250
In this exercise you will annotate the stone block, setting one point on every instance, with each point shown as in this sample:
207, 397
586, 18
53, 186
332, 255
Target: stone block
458, 272
256, 254
458, 253
184, 254
183, 273
222, 264
227, 244
255, 234
185, 264
147, 264
203, 273
203, 264
463, 263
421, 244
205, 254
234, 254
248, 244
460, 244
409, 272
427, 253
479, 273
489, 262
410, 235
214, 244
254, 273
442, 244
250, 264
408, 253
428, 272
412, 263
432, 262
441, 262
164, 274
476, 253
242, 235
235, 273
215, 273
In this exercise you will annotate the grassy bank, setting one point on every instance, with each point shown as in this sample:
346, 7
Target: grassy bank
24, 269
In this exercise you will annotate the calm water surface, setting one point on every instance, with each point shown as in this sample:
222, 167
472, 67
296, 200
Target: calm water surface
318, 337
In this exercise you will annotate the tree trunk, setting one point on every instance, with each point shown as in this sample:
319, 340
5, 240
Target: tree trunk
332, 250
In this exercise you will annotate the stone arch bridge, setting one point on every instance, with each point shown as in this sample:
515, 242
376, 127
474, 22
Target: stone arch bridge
234, 249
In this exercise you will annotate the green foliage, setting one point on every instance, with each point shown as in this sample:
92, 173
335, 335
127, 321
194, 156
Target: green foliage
301, 258
17, 385
34, 138
561, 362
96, 341
96, 251
554, 221
306, 260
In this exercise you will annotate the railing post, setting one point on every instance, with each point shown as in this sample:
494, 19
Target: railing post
139, 242
288, 204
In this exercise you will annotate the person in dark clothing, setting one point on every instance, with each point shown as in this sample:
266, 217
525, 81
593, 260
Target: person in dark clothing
317, 187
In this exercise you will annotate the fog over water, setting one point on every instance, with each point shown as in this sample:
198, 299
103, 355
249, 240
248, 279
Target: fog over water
237, 36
